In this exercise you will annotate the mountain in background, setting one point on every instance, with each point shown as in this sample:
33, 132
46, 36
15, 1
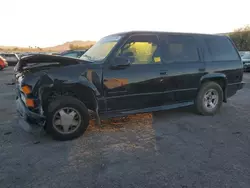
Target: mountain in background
68, 45
58, 48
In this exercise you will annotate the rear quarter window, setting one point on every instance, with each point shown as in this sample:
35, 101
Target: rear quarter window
221, 48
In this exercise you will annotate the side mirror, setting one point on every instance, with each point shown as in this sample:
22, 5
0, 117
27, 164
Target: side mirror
120, 63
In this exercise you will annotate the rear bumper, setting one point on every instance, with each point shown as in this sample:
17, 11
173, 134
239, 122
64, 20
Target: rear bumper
27, 119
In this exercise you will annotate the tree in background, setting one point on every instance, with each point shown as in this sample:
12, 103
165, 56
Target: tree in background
241, 38
77, 47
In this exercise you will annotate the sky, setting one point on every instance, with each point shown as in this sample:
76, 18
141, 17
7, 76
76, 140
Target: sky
47, 23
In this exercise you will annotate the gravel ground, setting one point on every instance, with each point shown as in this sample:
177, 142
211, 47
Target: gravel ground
166, 149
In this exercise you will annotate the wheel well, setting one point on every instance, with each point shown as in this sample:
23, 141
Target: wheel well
221, 82
86, 96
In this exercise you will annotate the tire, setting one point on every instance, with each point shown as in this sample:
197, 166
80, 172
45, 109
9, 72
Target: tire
201, 103
62, 103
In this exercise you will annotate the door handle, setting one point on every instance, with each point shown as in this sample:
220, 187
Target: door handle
163, 72
201, 69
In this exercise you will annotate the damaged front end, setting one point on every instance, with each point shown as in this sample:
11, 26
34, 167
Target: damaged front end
28, 108
31, 79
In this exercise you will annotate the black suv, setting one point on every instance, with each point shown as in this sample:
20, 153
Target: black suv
127, 73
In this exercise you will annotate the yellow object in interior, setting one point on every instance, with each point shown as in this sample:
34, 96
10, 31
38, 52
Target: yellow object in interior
157, 59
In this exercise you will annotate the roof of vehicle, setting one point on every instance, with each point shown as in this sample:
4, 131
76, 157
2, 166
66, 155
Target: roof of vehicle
161, 32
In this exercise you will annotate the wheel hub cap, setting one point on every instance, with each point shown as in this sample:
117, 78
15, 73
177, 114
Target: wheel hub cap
66, 120
211, 99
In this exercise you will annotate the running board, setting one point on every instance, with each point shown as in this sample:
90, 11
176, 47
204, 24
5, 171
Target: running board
145, 110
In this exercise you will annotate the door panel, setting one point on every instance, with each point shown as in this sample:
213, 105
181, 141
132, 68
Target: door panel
183, 80
140, 84
182, 60
135, 87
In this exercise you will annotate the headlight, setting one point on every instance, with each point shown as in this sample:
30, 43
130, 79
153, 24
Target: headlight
26, 90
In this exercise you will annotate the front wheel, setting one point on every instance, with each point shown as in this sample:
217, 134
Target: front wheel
67, 118
209, 98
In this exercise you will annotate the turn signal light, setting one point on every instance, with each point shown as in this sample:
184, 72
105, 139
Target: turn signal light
26, 89
30, 103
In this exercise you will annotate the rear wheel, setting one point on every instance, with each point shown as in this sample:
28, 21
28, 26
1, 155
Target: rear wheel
209, 98
67, 118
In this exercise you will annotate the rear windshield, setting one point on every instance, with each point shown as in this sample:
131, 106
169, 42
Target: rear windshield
221, 48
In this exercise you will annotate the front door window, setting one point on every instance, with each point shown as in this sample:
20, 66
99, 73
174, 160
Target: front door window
141, 50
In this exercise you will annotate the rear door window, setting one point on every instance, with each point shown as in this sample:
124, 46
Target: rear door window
179, 48
221, 48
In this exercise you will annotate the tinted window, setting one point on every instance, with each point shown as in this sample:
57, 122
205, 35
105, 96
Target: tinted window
221, 49
141, 50
179, 48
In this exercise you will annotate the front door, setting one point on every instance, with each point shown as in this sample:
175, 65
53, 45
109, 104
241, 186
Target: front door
139, 85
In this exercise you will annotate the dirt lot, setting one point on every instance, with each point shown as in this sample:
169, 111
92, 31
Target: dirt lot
167, 149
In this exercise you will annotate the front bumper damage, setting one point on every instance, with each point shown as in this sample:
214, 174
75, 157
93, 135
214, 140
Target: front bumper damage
28, 120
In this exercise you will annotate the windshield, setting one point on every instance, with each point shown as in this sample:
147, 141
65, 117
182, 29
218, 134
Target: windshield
101, 49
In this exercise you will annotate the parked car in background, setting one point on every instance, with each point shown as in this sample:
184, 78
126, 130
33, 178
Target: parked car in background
73, 53
11, 58
127, 73
3, 63
22, 54
245, 57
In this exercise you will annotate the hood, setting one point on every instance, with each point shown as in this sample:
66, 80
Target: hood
42, 61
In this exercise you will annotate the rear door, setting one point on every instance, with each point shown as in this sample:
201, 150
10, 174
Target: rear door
184, 67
